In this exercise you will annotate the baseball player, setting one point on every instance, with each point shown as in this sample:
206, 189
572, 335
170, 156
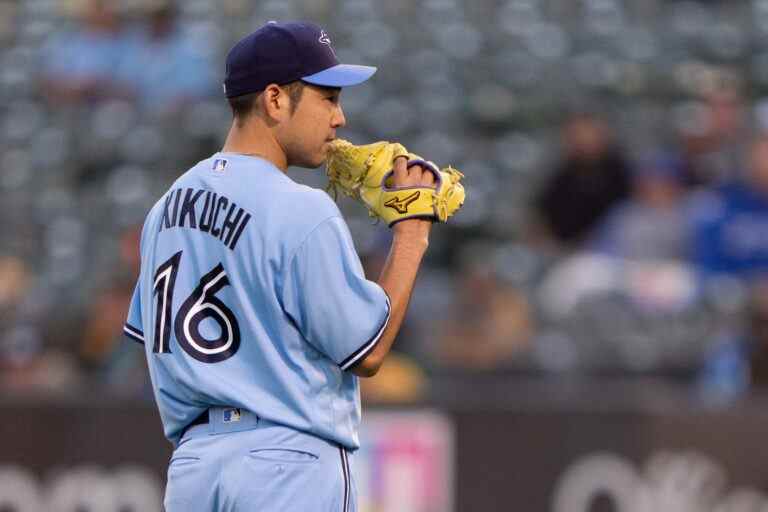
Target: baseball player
252, 305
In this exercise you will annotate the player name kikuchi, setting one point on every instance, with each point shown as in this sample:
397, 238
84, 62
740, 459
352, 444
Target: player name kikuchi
218, 216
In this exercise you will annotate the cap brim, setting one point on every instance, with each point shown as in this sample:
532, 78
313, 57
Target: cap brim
341, 75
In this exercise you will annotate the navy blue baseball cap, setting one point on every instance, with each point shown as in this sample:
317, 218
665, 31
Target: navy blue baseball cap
280, 53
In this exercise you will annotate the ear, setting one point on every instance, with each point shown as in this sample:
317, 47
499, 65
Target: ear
275, 102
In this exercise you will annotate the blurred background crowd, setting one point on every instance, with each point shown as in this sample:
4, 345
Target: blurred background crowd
615, 153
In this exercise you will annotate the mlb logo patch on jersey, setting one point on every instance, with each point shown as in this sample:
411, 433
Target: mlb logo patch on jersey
231, 415
219, 164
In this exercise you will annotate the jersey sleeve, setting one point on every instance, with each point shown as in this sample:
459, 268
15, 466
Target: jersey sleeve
133, 326
328, 298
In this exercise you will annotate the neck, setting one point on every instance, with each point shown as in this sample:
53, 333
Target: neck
253, 138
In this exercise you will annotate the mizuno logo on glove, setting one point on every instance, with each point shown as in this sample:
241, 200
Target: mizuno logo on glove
401, 205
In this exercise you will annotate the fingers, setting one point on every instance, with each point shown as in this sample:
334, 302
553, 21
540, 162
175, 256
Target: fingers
421, 176
414, 176
427, 178
401, 171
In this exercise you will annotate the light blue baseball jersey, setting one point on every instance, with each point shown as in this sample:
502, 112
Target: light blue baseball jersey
251, 295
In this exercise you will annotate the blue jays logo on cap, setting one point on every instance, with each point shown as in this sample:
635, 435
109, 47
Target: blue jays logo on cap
326, 40
280, 53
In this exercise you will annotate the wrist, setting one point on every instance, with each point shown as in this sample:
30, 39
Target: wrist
412, 232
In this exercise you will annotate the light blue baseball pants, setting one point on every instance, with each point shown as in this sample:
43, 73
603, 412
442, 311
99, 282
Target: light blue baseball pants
237, 462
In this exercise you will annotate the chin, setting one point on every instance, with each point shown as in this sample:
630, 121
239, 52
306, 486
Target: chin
309, 162
310, 165
319, 160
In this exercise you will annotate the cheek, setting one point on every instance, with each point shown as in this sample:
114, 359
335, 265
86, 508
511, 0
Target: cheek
321, 117
312, 127
319, 127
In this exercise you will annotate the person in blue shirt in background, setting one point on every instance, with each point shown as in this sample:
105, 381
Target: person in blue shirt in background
651, 224
163, 66
731, 241
731, 223
738, 362
78, 64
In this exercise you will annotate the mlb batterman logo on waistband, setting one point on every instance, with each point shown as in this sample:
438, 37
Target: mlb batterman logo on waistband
231, 415
280, 53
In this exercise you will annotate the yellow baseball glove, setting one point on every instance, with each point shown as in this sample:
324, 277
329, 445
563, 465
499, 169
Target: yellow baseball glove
365, 173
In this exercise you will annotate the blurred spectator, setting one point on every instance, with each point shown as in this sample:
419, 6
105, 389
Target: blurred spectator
130, 257
591, 177
26, 364
14, 282
731, 223
651, 224
740, 360
104, 351
488, 324
163, 65
79, 64
712, 143
107, 357
102, 330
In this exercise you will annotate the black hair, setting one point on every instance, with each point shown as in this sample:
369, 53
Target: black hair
242, 106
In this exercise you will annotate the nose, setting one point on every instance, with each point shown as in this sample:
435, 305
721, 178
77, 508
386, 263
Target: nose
338, 120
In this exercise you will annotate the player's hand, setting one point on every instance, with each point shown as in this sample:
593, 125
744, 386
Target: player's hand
414, 176
403, 176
